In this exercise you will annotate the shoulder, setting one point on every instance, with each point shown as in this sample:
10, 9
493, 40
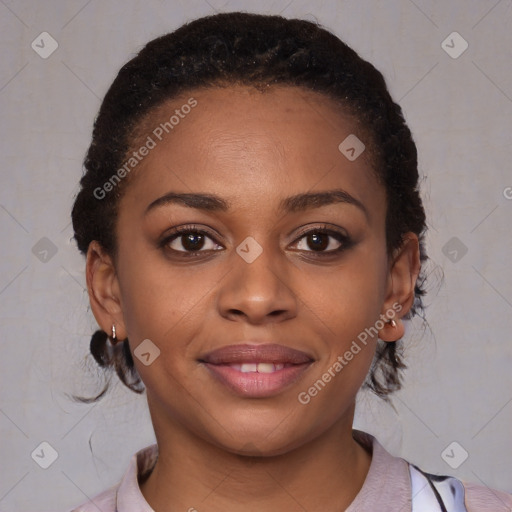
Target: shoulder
480, 498
105, 501
439, 492
393, 483
126, 494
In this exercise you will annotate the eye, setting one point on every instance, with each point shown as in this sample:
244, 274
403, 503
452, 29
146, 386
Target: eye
188, 240
323, 241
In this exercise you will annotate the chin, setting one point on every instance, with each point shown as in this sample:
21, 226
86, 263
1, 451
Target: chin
274, 436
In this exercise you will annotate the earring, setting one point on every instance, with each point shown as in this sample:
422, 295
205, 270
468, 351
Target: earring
392, 323
114, 341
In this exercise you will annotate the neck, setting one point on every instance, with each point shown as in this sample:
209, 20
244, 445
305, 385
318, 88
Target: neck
191, 473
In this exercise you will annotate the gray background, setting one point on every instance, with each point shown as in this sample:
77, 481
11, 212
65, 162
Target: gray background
458, 386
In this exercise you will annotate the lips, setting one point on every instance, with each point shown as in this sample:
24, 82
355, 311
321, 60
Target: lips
256, 370
247, 353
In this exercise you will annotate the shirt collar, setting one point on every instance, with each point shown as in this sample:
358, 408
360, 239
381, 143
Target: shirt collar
129, 495
387, 487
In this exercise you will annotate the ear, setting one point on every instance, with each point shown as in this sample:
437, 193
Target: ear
103, 289
404, 268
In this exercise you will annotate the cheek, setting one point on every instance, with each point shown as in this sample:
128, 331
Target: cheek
165, 305
349, 298
154, 294
346, 305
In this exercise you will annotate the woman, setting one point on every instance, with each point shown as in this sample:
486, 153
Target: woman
254, 237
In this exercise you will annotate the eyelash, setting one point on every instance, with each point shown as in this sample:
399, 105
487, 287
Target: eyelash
343, 239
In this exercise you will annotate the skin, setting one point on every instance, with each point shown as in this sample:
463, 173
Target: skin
253, 150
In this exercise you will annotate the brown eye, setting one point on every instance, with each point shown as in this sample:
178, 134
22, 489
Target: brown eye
191, 242
186, 239
323, 241
317, 241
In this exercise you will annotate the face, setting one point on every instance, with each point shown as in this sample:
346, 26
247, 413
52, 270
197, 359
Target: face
262, 260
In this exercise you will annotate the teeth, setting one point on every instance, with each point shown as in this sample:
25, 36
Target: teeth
266, 368
248, 367
258, 367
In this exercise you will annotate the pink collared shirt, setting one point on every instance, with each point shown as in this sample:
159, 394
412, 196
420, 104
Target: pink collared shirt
392, 484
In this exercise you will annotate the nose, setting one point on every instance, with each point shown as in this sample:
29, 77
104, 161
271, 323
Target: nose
260, 291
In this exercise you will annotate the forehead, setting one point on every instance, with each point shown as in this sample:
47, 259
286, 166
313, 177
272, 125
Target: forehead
237, 141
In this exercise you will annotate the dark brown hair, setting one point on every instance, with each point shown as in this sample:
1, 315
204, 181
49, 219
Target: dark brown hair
254, 50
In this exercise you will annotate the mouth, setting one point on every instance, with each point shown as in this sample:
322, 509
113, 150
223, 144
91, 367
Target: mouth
256, 371
259, 367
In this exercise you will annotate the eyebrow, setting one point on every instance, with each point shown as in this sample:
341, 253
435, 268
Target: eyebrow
292, 204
